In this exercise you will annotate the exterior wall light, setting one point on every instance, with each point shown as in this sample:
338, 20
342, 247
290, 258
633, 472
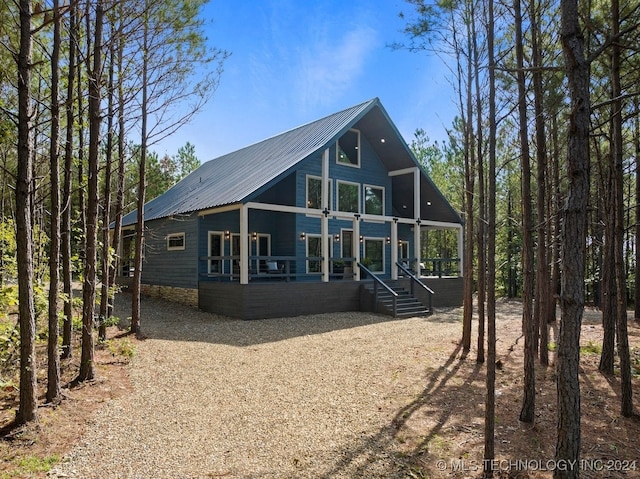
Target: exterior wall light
303, 236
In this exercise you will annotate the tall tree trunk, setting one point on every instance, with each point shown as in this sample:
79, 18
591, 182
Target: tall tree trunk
617, 154
67, 271
482, 218
573, 242
489, 415
636, 139
542, 272
53, 357
137, 274
106, 203
556, 206
608, 287
469, 173
87, 366
527, 413
117, 229
28, 407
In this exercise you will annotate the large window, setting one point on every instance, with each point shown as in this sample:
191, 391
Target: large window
373, 200
374, 254
348, 149
314, 192
175, 242
348, 197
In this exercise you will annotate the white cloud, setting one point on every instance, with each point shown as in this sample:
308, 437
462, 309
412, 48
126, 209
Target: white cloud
329, 64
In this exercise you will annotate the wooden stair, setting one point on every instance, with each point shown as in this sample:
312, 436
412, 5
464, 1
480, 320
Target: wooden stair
407, 306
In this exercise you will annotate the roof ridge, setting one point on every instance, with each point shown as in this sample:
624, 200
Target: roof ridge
304, 125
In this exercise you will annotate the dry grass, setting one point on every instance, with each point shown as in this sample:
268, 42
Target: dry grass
327, 396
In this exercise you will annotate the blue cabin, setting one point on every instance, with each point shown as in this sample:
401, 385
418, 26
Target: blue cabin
325, 217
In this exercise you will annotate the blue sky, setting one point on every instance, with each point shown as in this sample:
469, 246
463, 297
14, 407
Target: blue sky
294, 61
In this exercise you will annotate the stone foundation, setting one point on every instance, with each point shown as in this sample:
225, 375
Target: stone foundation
186, 296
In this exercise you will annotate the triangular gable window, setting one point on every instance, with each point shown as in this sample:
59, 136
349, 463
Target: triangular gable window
348, 149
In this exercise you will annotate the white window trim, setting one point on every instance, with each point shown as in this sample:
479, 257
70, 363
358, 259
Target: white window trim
357, 185
364, 198
306, 187
176, 235
351, 165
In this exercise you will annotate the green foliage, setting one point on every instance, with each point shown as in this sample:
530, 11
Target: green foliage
8, 299
123, 348
8, 249
9, 340
591, 348
29, 465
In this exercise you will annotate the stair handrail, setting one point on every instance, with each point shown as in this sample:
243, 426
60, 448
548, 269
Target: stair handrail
377, 281
416, 280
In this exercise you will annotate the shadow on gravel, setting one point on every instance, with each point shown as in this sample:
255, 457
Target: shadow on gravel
171, 321
455, 378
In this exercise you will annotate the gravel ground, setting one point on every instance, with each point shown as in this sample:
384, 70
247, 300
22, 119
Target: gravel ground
305, 397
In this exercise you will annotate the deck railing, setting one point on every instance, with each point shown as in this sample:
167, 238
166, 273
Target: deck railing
377, 285
227, 268
416, 281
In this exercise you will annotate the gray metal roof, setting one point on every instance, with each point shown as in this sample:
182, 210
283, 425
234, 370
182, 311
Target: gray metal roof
233, 177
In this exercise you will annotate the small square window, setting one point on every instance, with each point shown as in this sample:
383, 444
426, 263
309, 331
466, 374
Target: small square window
175, 241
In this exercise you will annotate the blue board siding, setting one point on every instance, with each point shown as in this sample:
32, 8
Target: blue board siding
171, 268
371, 172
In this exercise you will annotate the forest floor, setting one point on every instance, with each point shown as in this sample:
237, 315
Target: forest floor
434, 411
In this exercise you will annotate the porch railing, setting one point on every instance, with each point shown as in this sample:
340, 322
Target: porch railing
377, 285
275, 267
416, 281
436, 267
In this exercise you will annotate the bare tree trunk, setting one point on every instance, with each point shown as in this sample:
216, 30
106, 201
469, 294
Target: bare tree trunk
137, 274
469, 172
489, 415
608, 288
482, 218
617, 154
557, 206
117, 229
87, 366
542, 272
573, 242
527, 413
28, 408
636, 139
106, 204
53, 357
67, 274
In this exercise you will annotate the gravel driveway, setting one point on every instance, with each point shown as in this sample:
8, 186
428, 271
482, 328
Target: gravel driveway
306, 397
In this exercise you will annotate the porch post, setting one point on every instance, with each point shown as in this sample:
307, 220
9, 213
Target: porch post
417, 214
324, 221
394, 248
244, 245
356, 246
